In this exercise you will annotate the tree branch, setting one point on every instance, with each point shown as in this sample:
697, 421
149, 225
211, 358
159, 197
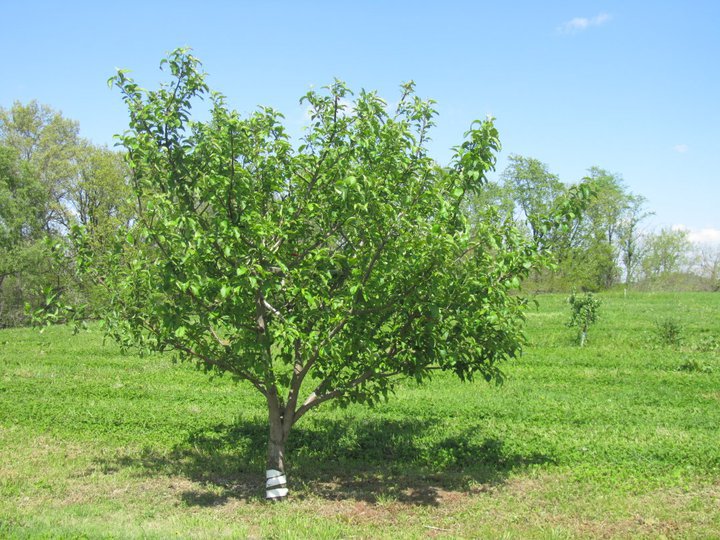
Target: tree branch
314, 399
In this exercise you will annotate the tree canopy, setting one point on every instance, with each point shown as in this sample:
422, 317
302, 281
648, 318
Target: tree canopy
317, 270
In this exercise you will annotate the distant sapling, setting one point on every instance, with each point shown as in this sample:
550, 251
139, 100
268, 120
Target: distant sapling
584, 313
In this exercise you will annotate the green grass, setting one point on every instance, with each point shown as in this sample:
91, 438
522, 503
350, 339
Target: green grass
618, 439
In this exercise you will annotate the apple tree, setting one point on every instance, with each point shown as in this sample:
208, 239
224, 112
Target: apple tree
325, 269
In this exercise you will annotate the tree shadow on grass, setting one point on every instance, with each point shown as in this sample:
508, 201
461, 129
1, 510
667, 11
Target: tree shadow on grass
409, 461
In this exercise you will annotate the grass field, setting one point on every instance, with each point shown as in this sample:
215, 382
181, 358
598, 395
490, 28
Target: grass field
618, 439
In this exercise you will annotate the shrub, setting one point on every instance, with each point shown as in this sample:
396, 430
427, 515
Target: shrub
583, 313
668, 331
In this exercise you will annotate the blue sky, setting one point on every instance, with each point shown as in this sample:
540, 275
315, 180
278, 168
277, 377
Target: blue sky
632, 87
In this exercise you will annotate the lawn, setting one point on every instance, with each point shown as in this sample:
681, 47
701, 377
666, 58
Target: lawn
618, 439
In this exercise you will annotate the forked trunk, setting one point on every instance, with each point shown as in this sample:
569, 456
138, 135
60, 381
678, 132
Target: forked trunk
275, 479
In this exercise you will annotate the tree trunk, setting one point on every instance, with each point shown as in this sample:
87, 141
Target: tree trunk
276, 481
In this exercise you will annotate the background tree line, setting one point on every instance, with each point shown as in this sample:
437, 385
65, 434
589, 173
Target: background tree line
52, 179
609, 244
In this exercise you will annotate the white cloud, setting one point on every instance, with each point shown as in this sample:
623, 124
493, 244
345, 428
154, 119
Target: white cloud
579, 24
681, 148
707, 236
